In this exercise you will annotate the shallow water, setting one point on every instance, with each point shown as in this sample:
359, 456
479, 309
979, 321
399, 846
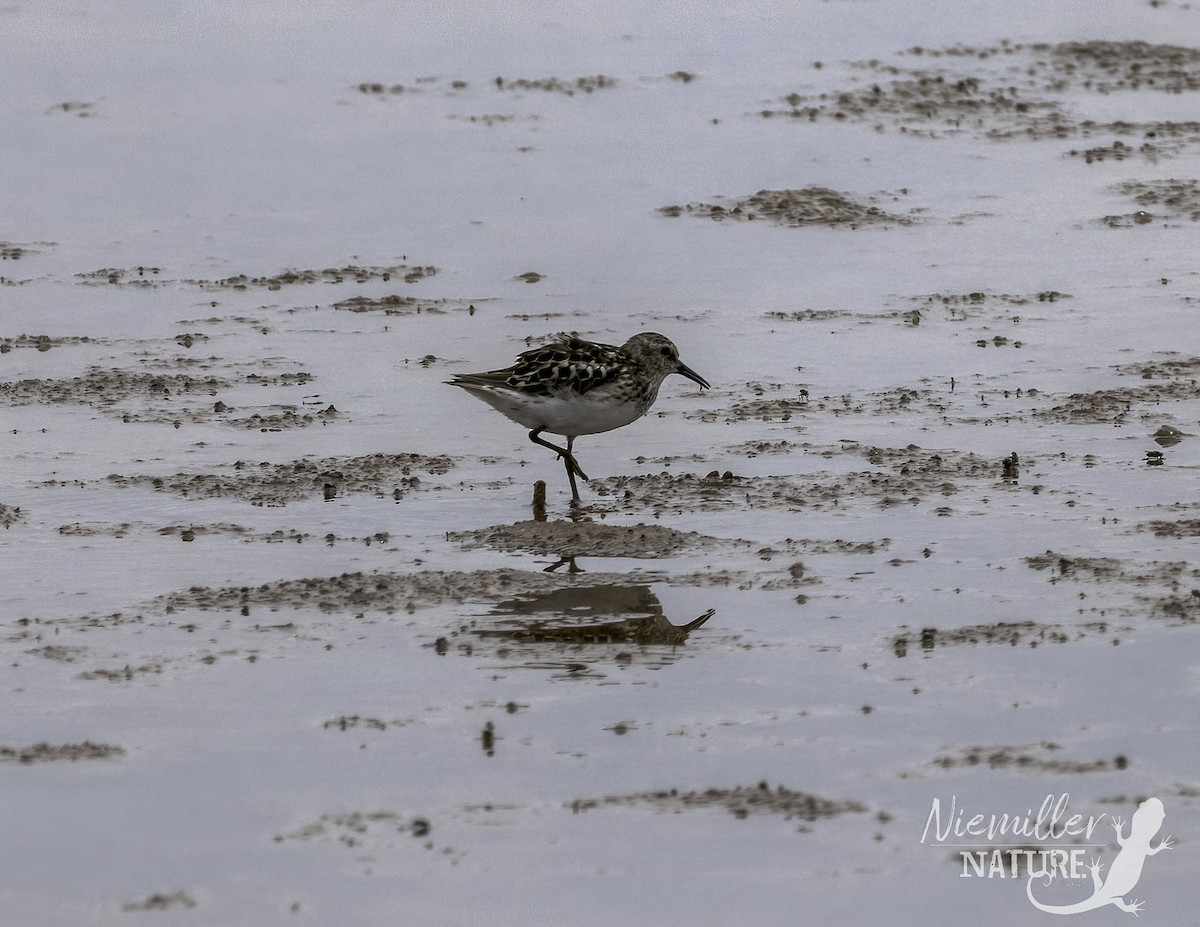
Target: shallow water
283, 640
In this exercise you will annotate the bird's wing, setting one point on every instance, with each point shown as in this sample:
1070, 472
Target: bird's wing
568, 363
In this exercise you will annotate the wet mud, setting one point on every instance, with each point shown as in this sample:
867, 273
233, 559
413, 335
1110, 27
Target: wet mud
161, 902
740, 801
907, 476
42, 343
9, 515
1005, 633
265, 483
799, 208
588, 539
143, 276
57, 753
1038, 758
1009, 90
1162, 202
386, 591
162, 396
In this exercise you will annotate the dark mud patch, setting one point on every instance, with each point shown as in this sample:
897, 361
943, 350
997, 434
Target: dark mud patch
397, 304
59, 653
1032, 757
41, 343
1171, 367
1110, 569
104, 388
783, 402
139, 276
161, 901
752, 449
964, 305
1151, 141
740, 801
189, 533
271, 484
360, 722
1183, 528
1005, 633
332, 275
587, 539
1160, 201
1114, 406
566, 86
126, 673
10, 515
808, 315
79, 108
492, 119
14, 251
389, 592
1168, 591
809, 206
143, 276
910, 476
1008, 90
372, 834
1108, 67
356, 827
54, 753
170, 397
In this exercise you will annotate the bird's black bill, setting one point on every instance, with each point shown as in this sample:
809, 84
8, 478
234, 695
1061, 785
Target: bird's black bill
692, 375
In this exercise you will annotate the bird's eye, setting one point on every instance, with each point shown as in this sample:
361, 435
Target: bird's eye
666, 352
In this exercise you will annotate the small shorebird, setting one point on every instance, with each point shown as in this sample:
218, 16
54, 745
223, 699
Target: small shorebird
573, 387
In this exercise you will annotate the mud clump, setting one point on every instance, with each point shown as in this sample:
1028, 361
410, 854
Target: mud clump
120, 276
41, 343
1160, 589
103, 388
345, 827
1023, 757
810, 206
1175, 366
127, 673
912, 475
331, 275
567, 87
279, 484
397, 304
1105, 67
9, 515
386, 592
161, 902
11, 251
52, 753
1114, 406
1161, 200
740, 801
1005, 633
1184, 528
585, 539
1007, 91
167, 396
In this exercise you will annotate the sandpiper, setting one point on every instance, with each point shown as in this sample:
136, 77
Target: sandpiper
573, 387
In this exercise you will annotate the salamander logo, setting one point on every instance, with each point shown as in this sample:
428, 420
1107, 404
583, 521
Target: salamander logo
1126, 866
1044, 864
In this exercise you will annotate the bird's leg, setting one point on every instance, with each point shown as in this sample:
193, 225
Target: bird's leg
571, 465
568, 459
